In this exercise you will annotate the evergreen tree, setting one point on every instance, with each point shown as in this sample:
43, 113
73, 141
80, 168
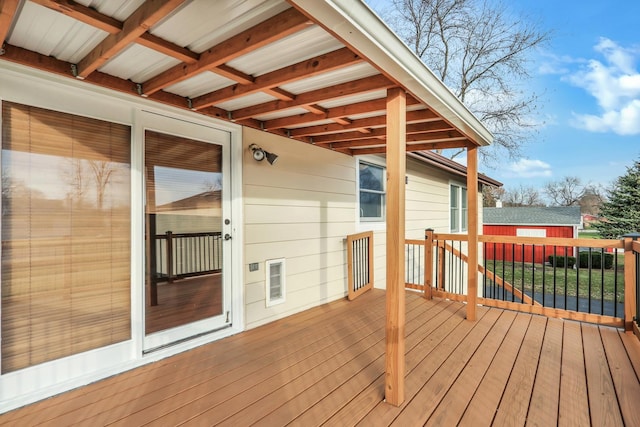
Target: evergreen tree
621, 213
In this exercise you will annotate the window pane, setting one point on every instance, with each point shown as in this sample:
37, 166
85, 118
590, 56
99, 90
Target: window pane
371, 177
455, 210
371, 205
65, 235
464, 209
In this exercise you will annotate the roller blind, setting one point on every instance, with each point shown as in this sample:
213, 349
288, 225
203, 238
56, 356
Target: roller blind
65, 235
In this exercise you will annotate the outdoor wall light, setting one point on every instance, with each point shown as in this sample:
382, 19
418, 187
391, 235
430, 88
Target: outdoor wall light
259, 154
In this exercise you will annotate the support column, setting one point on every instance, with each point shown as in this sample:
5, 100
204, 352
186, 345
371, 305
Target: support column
396, 168
472, 229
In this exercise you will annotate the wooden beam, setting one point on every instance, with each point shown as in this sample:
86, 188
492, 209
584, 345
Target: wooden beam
161, 45
364, 107
8, 10
83, 14
288, 22
145, 17
414, 147
367, 84
422, 129
233, 74
473, 230
395, 304
305, 69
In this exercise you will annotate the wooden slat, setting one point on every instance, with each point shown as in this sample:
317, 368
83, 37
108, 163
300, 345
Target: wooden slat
433, 391
624, 377
146, 16
552, 241
337, 410
554, 312
543, 409
454, 403
485, 401
573, 409
515, 398
274, 28
603, 404
630, 285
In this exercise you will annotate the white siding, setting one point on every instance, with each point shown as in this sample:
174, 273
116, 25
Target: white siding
301, 209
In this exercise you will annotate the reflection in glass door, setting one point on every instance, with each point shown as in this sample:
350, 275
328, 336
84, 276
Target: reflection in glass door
184, 289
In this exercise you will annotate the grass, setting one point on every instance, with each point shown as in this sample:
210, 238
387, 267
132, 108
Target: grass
577, 282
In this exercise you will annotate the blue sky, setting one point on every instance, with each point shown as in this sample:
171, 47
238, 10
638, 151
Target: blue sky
589, 80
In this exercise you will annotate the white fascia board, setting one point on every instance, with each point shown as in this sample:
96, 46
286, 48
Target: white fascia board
358, 26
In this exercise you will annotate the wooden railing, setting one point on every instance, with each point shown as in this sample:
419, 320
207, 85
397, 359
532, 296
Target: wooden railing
536, 275
181, 255
359, 263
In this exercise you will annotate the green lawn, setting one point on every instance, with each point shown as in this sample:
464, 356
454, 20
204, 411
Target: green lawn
578, 282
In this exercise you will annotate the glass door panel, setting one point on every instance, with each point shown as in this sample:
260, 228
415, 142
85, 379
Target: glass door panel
184, 292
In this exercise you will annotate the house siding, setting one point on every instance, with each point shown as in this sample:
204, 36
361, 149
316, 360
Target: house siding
301, 209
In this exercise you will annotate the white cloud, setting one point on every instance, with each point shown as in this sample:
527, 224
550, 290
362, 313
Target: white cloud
525, 168
615, 84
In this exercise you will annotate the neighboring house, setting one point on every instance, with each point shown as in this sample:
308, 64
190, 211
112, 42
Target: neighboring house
529, 222
132, 119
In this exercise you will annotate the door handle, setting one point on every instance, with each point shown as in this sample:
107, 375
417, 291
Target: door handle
227, 236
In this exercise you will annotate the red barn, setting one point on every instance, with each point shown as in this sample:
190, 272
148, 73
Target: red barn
529, 222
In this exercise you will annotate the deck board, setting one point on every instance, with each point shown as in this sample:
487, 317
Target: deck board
574, 403
325, 366
543, 409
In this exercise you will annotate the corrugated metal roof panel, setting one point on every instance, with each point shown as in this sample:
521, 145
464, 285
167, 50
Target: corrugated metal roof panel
199, 84
118, 9
138, 63
298, 47
282, 113
341, 75
53, 34
363, 97
201, 24
246, 101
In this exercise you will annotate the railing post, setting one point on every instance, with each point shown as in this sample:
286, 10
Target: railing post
428, 263
629, 281
170, 256
441, 266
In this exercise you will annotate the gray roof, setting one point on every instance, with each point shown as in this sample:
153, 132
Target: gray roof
569, 215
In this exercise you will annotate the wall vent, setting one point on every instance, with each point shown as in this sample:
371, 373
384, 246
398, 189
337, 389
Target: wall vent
275, 281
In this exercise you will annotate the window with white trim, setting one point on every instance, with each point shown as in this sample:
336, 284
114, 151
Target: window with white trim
372, 191
458, 208
275, 281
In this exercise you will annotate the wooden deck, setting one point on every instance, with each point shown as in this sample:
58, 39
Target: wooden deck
325, 367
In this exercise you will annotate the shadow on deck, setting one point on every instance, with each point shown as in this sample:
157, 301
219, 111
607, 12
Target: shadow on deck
325, 366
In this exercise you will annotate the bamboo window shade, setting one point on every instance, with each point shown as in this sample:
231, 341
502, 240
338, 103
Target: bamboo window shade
66, 210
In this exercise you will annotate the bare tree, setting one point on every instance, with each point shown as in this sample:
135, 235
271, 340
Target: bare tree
522, 196
566, 192
490, 195
482, 53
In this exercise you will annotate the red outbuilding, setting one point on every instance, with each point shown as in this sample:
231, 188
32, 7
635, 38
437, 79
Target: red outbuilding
529, 222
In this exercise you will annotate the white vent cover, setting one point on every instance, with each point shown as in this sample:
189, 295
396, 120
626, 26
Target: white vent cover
275, 281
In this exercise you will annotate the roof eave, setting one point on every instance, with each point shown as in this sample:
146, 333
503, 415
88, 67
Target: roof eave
357, 25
